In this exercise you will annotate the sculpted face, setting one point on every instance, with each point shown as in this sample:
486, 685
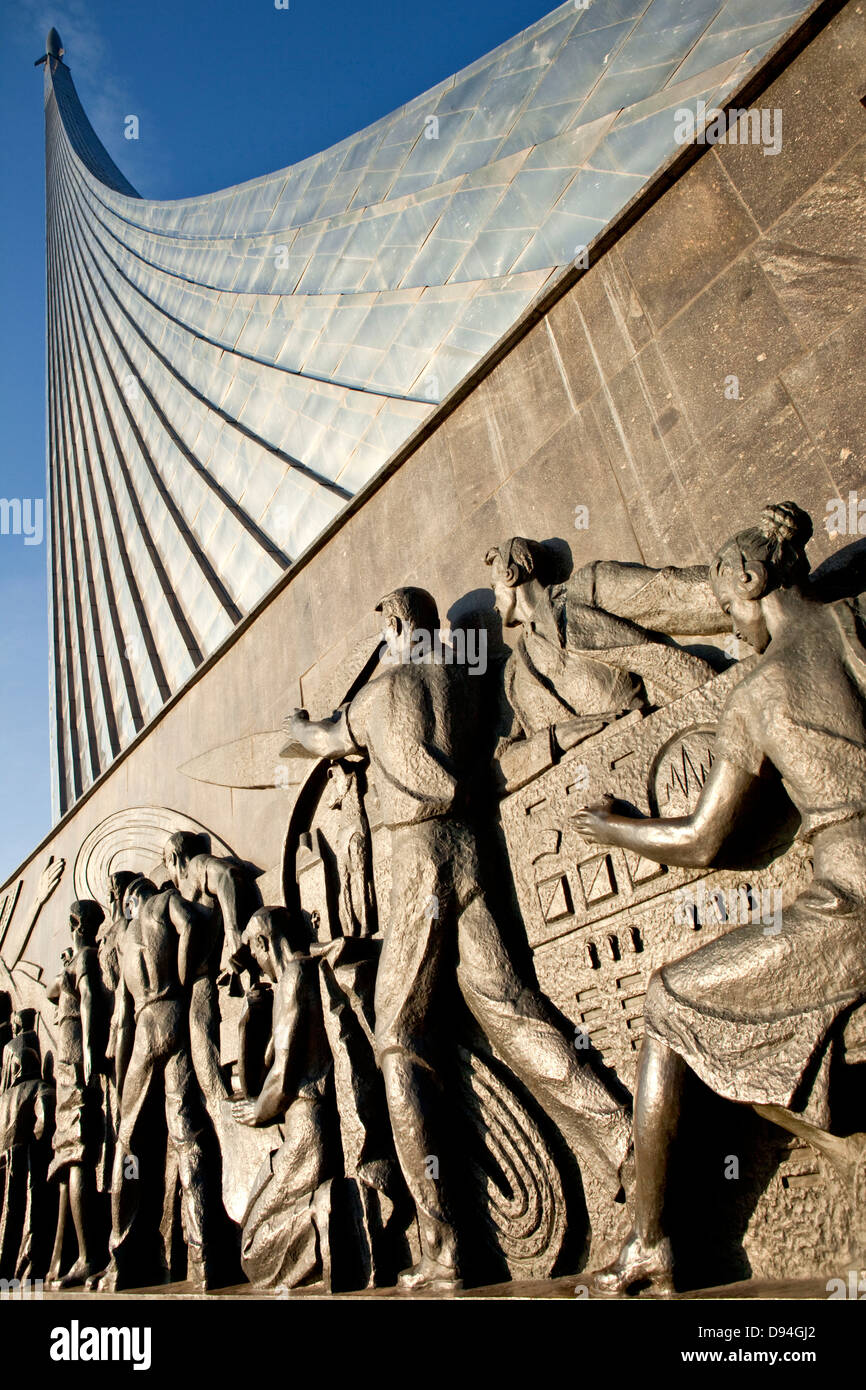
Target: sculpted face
117, 889
504, 593
398, 637
505, 599
259, 945
76, 924
738, 595
174, 865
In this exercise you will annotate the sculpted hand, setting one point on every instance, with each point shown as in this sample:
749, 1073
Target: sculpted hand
571, 732
298, 717
244, 1112
49, 879
252, 998
592, 821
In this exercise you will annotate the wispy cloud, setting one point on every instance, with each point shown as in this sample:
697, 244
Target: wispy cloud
107, 99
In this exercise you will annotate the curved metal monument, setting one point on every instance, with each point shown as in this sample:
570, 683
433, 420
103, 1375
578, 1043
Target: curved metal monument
226, 371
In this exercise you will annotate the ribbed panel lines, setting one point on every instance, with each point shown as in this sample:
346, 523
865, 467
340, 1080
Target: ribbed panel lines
225, 372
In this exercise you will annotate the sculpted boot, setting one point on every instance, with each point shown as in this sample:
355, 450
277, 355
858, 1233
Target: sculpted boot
636, 1264
436, 1271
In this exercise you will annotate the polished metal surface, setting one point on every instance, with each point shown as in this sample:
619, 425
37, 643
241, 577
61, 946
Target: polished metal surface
227, 370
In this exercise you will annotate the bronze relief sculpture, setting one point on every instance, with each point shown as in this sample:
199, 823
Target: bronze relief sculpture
82, 1029
755, 1013
285, 1240
164, 946
429, 1070
411, 720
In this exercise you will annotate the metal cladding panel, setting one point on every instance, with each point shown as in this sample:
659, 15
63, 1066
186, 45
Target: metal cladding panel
226, 371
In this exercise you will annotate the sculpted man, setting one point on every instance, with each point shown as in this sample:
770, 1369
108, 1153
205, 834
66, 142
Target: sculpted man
576, 665
414, 722
82, 1031
109, 944
22, 1120
24, 1036
163, 948
227, 889
352, 849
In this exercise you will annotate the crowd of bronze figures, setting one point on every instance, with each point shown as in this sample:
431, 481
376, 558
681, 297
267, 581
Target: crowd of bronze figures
124, 1160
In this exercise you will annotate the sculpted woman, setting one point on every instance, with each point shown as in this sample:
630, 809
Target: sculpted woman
754, 1013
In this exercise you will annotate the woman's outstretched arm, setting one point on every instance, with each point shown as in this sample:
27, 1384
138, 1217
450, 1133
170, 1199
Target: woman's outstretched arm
689, 841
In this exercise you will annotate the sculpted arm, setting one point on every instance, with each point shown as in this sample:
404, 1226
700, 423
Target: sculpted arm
48, 881
323, 738
674, 600
286, 1070
184, 918
221, 882
124, 1026
689, 841
88, 1010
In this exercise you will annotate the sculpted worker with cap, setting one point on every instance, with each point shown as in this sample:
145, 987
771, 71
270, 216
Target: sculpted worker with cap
414, 722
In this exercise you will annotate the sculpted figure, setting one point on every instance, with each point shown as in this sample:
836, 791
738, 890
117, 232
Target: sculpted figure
24, 1035
285, 1229
82, 1029
356, 902
413, 721
221, 884
576, 666
753, 1012
41, 1221
21, 1125
225, 887
163, 948
110, 938
5, 1037
109, 944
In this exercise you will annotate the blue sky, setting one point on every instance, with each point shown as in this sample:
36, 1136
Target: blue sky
224, 90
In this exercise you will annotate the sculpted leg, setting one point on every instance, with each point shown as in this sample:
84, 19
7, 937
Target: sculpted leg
407, 992
80, 1194
124, 1186
181, 1103
412, 1094
57, 1252
844, 1152
518, 1026
646, 1254
656, 1116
